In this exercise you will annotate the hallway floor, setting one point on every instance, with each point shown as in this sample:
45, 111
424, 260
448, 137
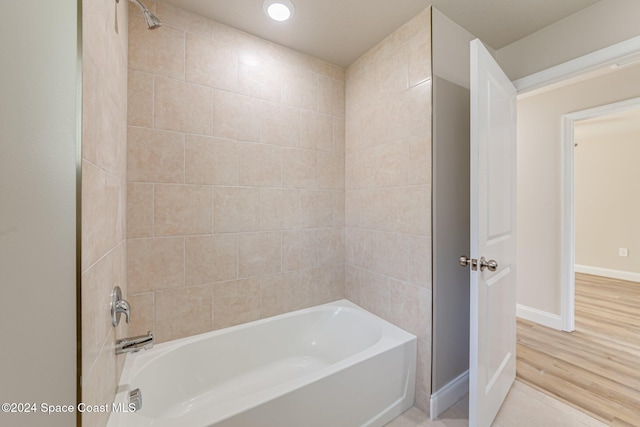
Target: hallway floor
524, 407
594, 368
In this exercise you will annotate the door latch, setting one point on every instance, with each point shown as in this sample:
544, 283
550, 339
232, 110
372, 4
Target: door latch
465, 261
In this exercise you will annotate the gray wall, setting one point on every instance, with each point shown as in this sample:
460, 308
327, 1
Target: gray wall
38, 136
450, 200
450, 231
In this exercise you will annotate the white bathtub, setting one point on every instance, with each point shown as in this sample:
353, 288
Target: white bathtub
327, 366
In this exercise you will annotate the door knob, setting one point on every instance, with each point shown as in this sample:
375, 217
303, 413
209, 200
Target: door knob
491, 264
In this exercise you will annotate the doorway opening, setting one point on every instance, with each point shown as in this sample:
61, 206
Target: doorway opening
588, 368
584, 133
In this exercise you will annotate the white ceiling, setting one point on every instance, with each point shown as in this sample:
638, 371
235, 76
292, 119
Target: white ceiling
340, 31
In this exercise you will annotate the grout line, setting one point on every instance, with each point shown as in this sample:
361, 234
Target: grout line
213, 209
184, 261
153, 101
184, 158
153, 210
184, 57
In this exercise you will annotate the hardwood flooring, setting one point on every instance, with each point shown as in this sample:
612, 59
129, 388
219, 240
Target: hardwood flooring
596, 368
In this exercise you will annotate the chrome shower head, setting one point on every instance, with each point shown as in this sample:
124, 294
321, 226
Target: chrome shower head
152, 21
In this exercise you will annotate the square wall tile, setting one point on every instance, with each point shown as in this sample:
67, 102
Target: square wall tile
323, 285
360, 248
299, 250
331, 99
420, 261
279, 209
211, 160
279, 124
391, 164
351, 283
282, 293
316, 208
236, 302
259, 165
411, 308
155, 264
259, 76
419, 58
316, 131
236, 116
140, 99
182, 210
338, 208
103, 213
300, 88
299, 169
97, 285
259, 254
155, 156
183, 107
330, 171
391, 74
183, 312
210, 259
160, 51
352, 208
139, 210
420, 159
142, 318
100, 383
405, 210
423, 368
338, 135
211, 63
392, 254
330, 246
373, 293
236, 209
104, 122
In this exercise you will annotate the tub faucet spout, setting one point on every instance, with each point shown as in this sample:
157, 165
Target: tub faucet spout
134, 344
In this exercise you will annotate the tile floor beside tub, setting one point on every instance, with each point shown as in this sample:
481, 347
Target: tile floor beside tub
524, 407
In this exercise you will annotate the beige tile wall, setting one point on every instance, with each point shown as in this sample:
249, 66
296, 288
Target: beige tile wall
104, 168
235, 170
388, 186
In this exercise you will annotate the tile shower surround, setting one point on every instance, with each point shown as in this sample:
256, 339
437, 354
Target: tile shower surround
235, 170
104, 168
388, 186
238, 155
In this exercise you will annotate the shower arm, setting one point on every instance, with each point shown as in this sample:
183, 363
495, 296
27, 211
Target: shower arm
137, 3
151, 20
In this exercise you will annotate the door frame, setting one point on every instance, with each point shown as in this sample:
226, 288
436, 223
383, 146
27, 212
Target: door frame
568, 201
618, 54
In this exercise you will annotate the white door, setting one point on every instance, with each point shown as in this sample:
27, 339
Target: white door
492, 364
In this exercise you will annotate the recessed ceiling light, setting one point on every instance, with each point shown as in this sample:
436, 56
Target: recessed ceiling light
278, 10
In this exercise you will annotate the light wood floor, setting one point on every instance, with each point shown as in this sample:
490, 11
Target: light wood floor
596, 368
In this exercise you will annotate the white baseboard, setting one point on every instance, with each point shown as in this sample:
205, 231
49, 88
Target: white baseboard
544, 318
448, 395
606, 272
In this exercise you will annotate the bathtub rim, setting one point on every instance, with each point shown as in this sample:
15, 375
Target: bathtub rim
141, 359
392, 336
